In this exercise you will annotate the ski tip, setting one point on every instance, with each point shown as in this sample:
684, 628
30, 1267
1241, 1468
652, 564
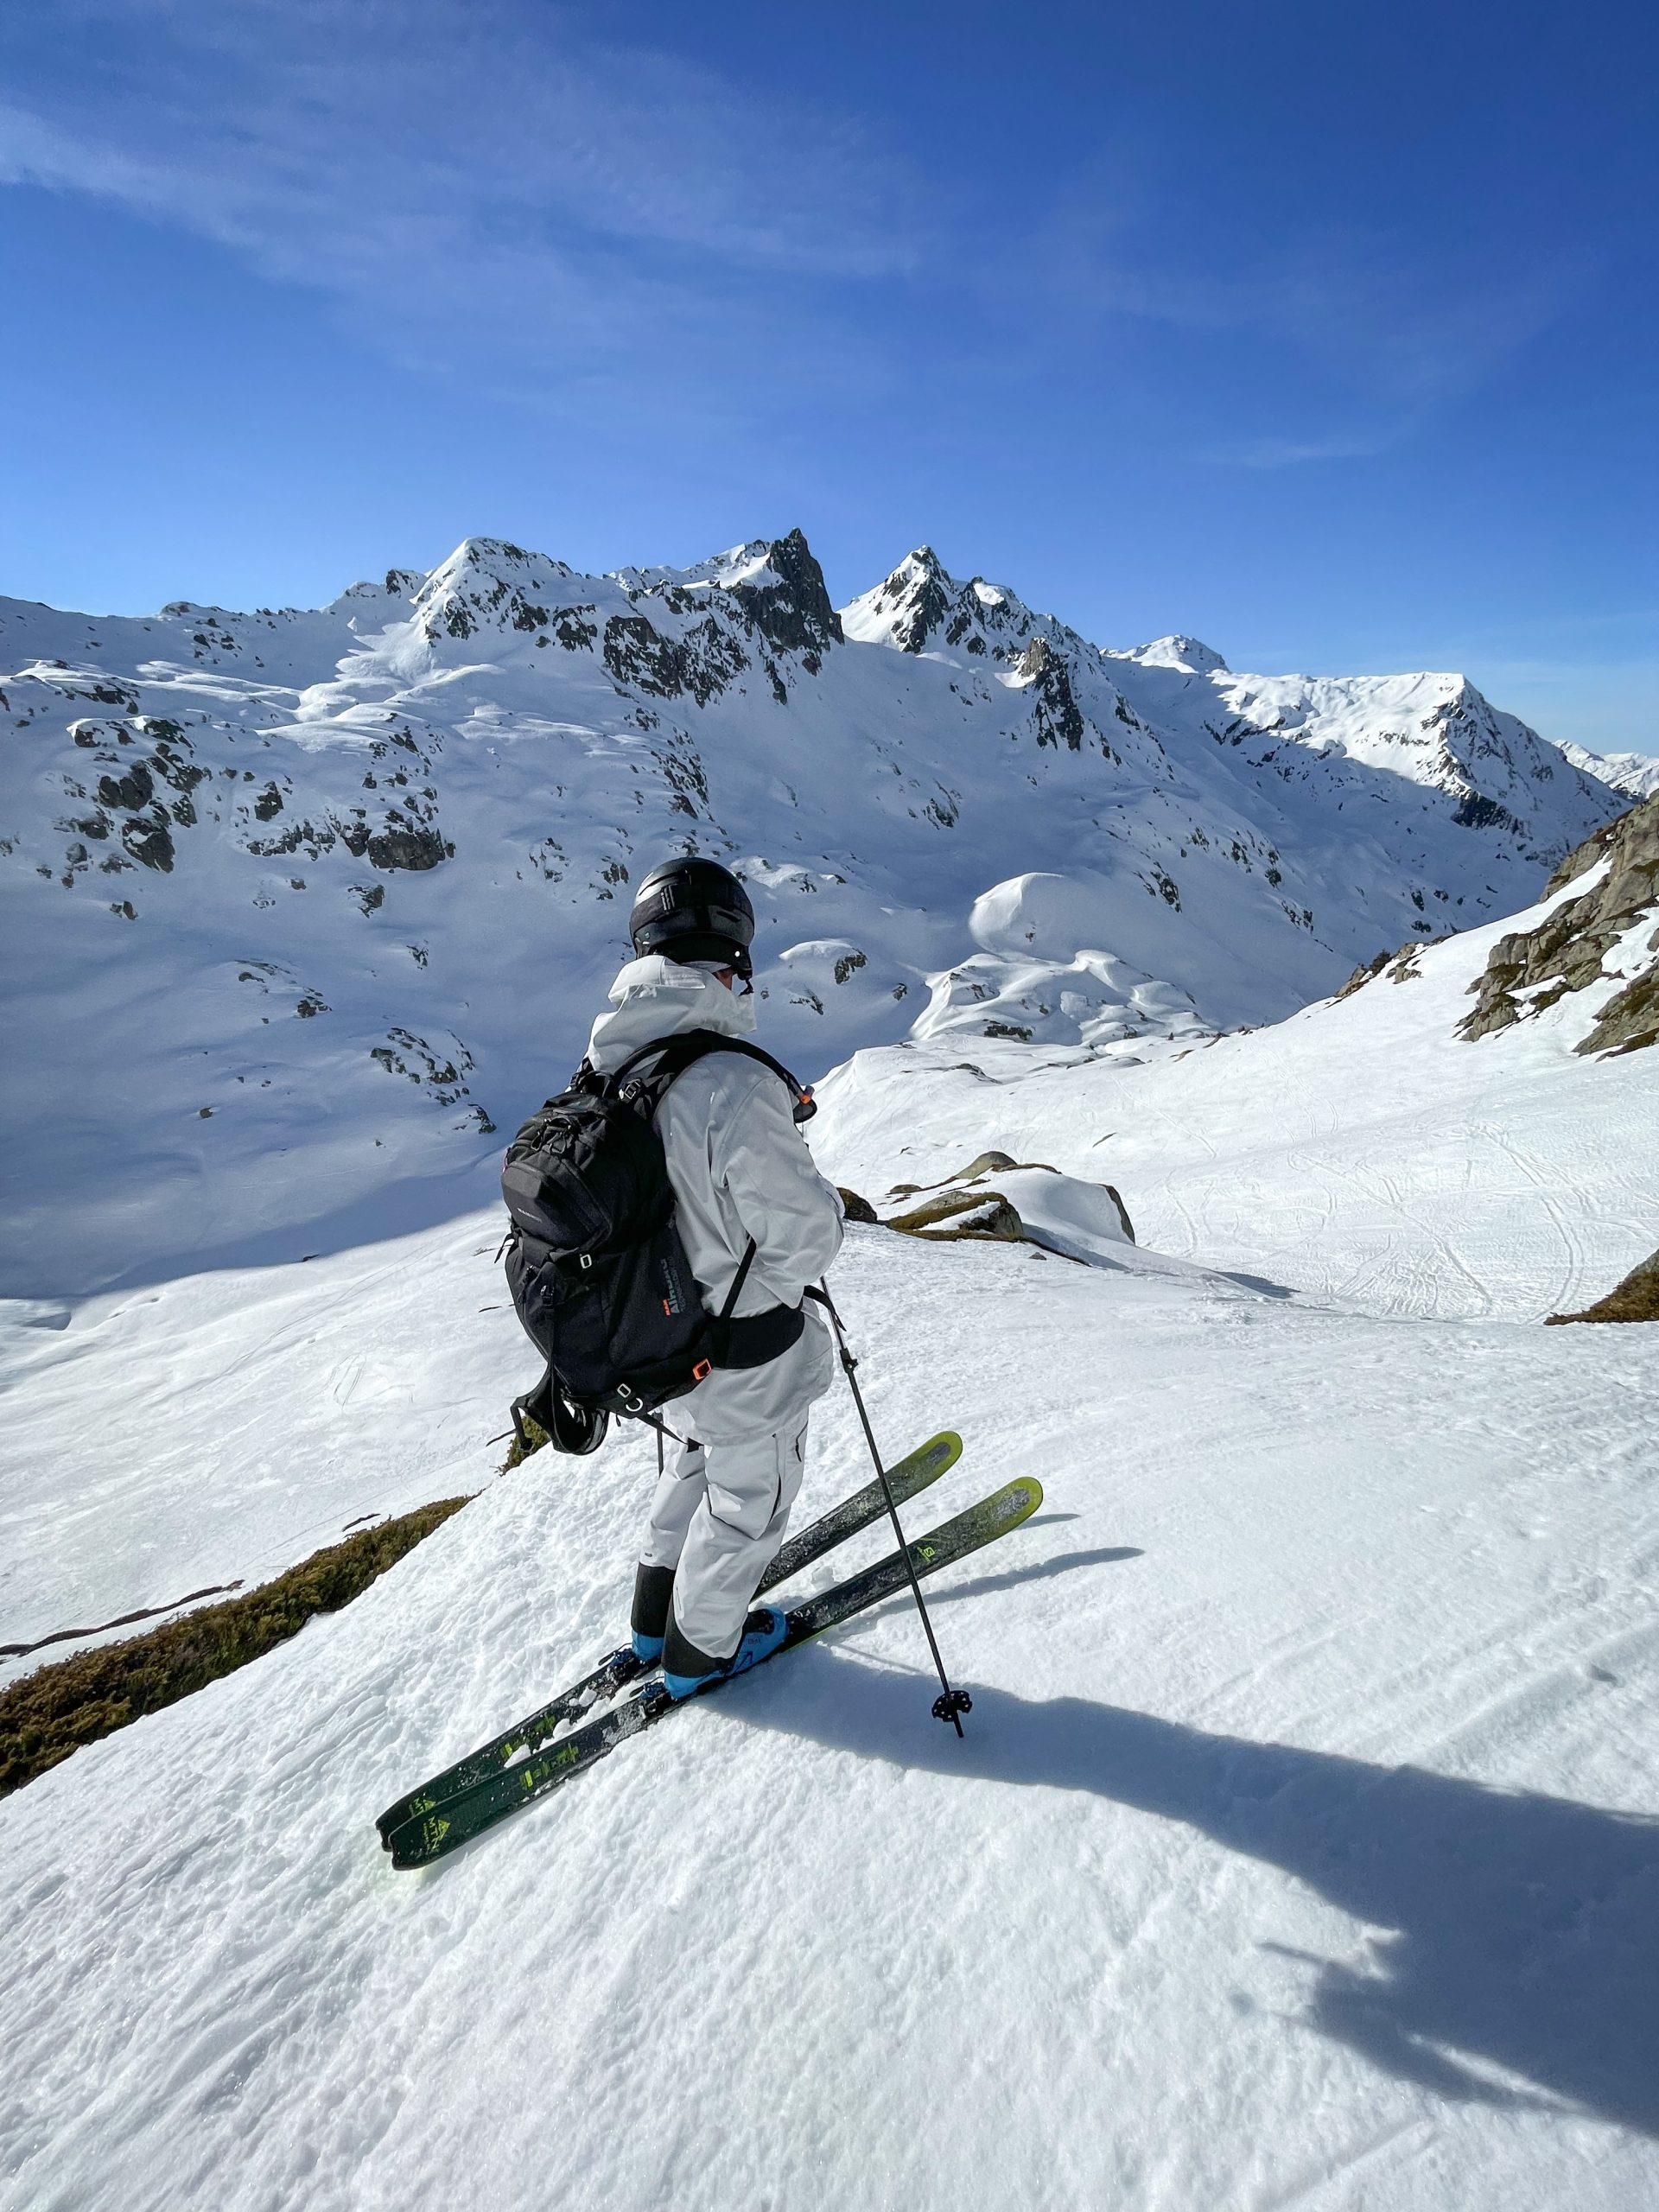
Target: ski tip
992, 1516
1015, 1503
934, 1457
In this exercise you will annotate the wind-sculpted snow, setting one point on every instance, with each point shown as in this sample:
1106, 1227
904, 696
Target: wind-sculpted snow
304, 906
1395, 1146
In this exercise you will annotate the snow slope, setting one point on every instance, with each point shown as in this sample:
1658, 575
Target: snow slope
216, 1429
1362, 1149
1302, 1848
303, 905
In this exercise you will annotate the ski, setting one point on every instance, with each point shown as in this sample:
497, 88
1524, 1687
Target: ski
912, 1475
433, 1835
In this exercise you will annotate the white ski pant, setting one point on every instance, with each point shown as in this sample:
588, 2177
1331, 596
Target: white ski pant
718, 1516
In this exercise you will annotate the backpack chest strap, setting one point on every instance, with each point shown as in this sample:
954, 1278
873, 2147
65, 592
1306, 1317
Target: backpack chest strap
673, 1055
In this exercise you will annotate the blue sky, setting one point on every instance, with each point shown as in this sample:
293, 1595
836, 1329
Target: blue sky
1327, 334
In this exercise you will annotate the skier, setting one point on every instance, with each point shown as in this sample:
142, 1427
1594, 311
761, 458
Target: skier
740, 1172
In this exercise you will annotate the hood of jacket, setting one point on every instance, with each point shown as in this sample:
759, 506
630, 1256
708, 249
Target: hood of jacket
654, 997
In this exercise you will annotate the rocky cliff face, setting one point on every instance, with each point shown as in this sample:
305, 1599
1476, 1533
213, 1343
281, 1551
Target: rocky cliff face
1606, 935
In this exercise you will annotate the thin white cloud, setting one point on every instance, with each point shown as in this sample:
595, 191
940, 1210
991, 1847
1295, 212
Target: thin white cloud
1375, 339
1295, 453
484, 188
483, 182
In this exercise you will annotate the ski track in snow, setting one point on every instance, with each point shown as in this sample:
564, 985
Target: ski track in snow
1360, 1151
1302, 1850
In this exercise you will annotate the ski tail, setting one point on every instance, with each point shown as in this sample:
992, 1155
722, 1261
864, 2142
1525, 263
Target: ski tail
912, 1475
433, 1835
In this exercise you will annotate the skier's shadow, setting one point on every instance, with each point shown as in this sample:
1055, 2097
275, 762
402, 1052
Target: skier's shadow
1526, 1928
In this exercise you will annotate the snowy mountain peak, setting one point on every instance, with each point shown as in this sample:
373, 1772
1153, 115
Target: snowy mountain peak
786, 599
1637, 773
399, 822
1178, 651
921, 608
488, 584
776, 583
906, 608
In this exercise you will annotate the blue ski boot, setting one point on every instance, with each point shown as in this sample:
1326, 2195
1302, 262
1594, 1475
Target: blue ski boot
686, 1670
653, 1592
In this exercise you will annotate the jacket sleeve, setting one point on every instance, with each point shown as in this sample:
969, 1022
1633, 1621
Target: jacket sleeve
761, 1162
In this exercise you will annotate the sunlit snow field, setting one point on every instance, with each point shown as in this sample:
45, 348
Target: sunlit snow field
1300, 1846
1361, 1148
1302, 1849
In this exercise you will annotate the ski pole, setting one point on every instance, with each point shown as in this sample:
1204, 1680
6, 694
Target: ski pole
949, 1705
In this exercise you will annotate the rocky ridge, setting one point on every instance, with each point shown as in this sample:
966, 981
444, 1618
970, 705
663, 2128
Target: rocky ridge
393, 837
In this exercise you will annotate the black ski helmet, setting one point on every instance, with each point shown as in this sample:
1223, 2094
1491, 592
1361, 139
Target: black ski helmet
694, 910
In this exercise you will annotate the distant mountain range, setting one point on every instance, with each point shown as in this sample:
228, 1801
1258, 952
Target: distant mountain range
302, 904
1637, 774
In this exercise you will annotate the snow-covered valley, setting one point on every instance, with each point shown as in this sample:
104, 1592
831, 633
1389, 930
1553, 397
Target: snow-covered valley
1362, 1149
1303, 1848
304, 906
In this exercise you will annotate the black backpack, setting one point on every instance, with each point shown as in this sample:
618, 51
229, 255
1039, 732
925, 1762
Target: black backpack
599, 1276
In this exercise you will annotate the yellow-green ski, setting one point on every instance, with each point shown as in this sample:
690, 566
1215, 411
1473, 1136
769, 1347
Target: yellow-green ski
421, 1839
912, 1474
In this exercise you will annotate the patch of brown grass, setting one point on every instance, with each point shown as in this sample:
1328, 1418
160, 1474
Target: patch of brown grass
54, 1711
1636, 1299
517, 1452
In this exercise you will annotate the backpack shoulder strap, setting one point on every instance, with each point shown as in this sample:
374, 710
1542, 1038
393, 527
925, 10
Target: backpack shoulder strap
673, 1055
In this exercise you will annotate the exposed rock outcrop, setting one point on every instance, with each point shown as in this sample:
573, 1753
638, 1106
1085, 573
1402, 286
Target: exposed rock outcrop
955, 1213
1399, 967
794, 609
702, 663
1057, 716
855, 1208
967, 1205
1529, 970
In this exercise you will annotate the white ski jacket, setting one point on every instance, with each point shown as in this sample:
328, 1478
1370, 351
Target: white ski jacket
739, 1169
